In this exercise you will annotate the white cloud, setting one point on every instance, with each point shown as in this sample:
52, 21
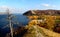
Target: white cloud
48, 5
4, 8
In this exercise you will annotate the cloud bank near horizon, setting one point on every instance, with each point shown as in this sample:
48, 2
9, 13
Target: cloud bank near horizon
12, 10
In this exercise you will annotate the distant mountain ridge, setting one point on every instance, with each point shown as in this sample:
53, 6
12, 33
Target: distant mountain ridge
40, 12
3, 13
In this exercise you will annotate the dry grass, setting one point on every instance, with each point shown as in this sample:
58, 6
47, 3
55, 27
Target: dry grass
50, 33
37, 31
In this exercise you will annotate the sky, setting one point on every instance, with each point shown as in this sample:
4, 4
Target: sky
21, 6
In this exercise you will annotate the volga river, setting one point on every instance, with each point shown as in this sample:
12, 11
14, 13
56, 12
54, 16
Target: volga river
23, 20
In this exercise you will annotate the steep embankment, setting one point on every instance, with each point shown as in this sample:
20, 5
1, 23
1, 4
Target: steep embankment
36, 31
50, 33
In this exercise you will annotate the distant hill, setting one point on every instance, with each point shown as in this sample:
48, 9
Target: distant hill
1, 13
40, 12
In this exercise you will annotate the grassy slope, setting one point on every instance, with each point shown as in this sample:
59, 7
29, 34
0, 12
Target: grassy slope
36, 31
50, 33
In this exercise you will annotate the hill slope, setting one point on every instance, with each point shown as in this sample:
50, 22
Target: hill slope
36, 31
40, 12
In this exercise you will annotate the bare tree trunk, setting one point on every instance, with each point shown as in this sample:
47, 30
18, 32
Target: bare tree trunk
11, 28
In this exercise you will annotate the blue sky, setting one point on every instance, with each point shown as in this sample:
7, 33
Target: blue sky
24, 5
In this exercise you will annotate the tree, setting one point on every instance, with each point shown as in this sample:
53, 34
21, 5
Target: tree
11, 22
